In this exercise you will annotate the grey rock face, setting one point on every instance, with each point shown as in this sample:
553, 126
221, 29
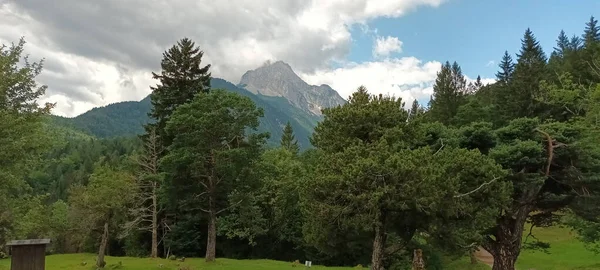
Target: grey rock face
278, 79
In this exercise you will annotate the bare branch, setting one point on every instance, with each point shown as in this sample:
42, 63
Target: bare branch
475, 190
441, 147
550, 149
228, 207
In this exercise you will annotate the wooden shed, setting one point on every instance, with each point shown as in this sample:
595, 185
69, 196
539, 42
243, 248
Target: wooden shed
28, 254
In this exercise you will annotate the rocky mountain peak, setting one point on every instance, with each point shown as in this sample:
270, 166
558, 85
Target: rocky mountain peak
279, 79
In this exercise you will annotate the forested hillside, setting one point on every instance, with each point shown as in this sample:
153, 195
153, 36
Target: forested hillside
126, 119
481, 166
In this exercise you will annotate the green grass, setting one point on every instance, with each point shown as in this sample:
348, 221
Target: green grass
464, 264
565, 253
73, 262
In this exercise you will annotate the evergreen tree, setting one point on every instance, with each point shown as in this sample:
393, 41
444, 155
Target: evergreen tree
368, 156
563, 44
591, 34
529, 71
478, 83
288, 141
181, 78
507, 67
591, 52
415, 109
211, 144
448, 93
562, 58
575, 43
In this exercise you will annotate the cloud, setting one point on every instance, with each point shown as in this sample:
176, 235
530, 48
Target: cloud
490, 63
407, 77
384, 46
99, 52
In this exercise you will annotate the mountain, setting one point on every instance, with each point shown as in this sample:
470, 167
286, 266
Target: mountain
279, 80
276, 88
113, 120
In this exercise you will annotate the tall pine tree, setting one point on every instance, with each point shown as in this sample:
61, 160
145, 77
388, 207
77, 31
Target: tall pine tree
181, 78
562, 44
591, 34
288, 140
529, 71
591, 52
448, 93
507, 67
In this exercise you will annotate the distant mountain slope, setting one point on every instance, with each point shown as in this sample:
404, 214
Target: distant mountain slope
128, 118
113, 120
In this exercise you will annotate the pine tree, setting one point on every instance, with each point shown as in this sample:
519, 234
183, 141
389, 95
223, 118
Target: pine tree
448, 93
575, 43
562, 56
288, 140
591, 34
562, 44
507, 67
591, 52
478, 83
181, 78
529, 71
415, 109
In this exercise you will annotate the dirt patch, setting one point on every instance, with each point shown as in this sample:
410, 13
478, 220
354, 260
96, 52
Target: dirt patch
484, 256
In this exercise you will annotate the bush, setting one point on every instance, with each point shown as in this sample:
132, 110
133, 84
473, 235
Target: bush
172, 257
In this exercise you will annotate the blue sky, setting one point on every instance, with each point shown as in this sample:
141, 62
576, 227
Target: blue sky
475, 32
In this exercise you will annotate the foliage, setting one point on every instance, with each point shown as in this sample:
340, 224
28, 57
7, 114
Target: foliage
212, 148
288, 140
22, 139
391, 177
181, 78
103, 200
126, 119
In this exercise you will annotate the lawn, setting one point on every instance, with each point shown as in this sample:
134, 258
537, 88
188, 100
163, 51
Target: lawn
565, 253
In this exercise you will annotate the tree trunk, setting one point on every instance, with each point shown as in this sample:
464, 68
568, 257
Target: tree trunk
211, 241
100, 263
378, 245
505, 259
473, 258
154, 250
509, 233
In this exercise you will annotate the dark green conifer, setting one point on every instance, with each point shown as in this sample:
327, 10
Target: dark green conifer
529, 71
288, 140
507, 67
181, 78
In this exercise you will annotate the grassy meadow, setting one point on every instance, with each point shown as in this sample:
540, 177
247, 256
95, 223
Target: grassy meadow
565, 253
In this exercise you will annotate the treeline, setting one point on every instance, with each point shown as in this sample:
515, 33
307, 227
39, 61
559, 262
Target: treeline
471, 169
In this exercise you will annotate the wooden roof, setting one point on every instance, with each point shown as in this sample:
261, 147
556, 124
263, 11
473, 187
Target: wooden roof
28, 242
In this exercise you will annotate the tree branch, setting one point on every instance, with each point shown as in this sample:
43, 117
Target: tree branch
550, 149
226, 208
475, 190
441, 147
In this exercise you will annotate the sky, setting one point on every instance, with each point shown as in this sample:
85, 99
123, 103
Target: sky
98, 52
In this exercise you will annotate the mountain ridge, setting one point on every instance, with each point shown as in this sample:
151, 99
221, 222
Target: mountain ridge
128, 117
279, 79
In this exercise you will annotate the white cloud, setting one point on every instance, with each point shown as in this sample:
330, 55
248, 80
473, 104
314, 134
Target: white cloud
407, 77
384, 46
490, 63
102, 52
